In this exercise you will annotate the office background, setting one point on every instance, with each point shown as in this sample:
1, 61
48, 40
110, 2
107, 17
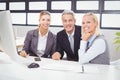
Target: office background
25, 15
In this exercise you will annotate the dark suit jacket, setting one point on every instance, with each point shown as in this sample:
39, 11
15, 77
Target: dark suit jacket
31, 42
63, 44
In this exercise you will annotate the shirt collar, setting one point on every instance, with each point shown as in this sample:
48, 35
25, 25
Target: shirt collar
44, 35
72, 33
92, 38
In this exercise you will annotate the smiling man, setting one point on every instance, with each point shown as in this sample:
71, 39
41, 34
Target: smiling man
68, 40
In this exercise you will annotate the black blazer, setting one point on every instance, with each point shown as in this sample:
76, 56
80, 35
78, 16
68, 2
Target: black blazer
63, 44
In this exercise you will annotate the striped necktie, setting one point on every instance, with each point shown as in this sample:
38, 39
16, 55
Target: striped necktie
87, 47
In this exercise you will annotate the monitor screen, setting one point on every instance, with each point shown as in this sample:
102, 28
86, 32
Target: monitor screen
7, 39
6, 34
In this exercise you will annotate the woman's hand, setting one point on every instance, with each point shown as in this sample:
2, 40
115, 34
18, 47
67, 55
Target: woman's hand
86, 36
23, 54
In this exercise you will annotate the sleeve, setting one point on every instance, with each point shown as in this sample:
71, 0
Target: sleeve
58, 46
54, 45
27, 42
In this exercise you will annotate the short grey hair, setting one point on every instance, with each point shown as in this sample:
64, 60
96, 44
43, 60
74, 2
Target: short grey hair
68, 12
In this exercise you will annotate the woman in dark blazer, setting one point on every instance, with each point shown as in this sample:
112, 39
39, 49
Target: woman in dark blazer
40, 42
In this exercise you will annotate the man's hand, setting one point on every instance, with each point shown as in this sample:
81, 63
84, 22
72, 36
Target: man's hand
56, 56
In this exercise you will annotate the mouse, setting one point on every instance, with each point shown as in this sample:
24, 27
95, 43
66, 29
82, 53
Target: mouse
33, 65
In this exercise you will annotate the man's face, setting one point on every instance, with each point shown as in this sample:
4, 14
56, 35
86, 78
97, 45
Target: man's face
68, 21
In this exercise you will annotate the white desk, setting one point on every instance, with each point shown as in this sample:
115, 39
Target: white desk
16, 71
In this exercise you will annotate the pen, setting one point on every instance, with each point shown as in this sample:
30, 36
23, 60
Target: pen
82, 69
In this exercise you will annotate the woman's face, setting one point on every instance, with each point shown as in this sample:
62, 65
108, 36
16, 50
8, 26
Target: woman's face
44, 21
89, 25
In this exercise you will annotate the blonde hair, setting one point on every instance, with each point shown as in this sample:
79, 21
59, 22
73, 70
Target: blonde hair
95, 19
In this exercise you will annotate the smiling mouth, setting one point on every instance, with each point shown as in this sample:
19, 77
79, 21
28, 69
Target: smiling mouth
86, 28
68, 26
45, 25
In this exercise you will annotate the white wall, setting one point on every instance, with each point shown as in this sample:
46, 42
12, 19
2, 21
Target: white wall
21, 31
110, 35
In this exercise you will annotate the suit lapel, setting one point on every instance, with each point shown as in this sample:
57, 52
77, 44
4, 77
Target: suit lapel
49, 43
35, 40
66, 42
76, 39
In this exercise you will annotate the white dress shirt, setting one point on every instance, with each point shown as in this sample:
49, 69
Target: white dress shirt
42, 41
95, 49
71, 39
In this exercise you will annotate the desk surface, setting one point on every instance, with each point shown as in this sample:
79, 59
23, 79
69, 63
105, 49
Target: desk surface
14, 71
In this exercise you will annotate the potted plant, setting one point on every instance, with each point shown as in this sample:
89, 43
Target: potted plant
117, 41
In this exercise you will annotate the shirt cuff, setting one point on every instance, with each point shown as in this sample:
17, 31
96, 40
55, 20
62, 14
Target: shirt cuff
83, 45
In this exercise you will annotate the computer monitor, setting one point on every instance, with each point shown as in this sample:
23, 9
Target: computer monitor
7, 39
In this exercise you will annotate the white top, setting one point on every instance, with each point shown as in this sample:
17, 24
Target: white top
97, 48
72, 34
42, 41
71, 39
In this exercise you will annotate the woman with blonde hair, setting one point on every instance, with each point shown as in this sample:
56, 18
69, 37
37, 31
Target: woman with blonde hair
93, 46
